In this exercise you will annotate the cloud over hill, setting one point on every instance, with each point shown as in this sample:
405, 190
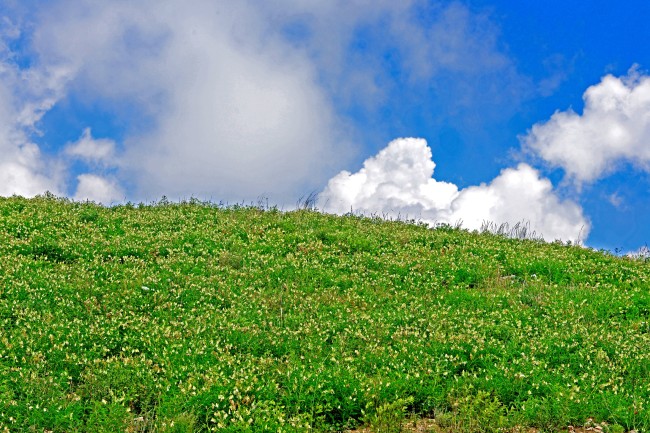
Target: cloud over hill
398, 182
613, 129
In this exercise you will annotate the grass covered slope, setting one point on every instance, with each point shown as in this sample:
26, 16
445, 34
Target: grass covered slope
194, 318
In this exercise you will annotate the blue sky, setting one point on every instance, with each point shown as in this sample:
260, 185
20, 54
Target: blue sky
474, 110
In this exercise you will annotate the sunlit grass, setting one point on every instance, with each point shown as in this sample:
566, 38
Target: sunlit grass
192, 317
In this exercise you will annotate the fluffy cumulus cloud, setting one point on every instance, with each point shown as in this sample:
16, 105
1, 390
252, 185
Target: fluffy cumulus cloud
398, 182
613, 129
98, 189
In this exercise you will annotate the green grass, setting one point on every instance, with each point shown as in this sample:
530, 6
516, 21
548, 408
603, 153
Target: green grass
194, 318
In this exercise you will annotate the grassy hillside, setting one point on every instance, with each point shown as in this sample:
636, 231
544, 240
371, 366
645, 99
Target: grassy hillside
194, 318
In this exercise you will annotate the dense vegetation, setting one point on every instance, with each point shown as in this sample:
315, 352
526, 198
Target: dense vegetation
192, 317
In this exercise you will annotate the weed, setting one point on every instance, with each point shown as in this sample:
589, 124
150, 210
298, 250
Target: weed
308, 202
473, 412
388, 417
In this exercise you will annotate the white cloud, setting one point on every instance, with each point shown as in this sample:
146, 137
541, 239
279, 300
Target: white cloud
231, 112
398, 182
21, 179
613, 129
95, 151
98, 189
25, 95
